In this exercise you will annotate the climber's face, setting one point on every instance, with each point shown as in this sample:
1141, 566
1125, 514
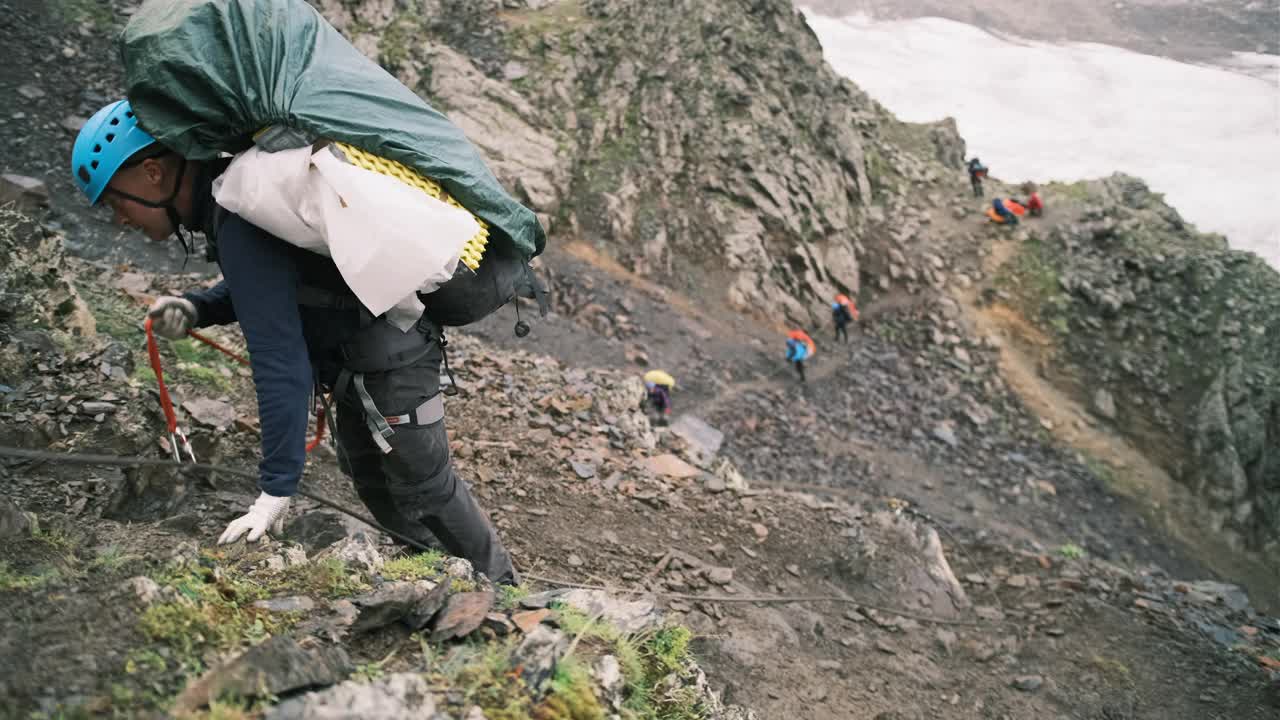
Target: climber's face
151, 181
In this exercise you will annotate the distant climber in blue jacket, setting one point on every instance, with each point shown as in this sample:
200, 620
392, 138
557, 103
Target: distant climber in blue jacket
800, 347
977, 171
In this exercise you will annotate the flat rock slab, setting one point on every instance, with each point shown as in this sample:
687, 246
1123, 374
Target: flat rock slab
584, 470
628, 615
527, 620
669, 465
276, 667
412, 604
27, 193
462, 615
703, 439
402, 696
210, 413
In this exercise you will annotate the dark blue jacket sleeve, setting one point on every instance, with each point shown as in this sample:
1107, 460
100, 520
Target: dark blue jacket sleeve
262, 278
213, 306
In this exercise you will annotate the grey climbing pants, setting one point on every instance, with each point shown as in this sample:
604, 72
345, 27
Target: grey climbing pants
413, 489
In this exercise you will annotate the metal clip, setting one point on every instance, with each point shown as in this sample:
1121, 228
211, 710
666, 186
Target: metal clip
181, 444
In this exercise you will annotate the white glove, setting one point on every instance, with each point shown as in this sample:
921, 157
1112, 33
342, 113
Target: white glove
172, 317
266, 514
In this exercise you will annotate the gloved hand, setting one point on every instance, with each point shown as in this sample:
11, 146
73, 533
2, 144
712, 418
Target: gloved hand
266, 514
172, 317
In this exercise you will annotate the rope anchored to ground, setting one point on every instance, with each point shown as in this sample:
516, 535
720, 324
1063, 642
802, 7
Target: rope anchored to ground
137, 461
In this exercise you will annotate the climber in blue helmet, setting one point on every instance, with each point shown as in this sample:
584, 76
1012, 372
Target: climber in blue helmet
109, 164
306, 331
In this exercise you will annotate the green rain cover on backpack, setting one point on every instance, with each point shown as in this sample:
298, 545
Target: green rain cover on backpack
204, 76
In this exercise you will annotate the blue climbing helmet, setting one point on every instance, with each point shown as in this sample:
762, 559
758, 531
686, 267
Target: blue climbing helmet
106, 141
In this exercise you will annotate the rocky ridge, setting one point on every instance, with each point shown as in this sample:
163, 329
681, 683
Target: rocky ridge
1172, 340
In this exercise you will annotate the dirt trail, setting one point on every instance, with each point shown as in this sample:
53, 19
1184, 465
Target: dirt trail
776, 375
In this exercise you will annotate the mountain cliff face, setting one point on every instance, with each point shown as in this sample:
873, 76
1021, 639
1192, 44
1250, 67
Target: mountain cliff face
704, 143
707, 145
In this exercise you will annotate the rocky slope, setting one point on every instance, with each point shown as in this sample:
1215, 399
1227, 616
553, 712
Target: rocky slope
328, 622
123, 605
689, 156
750, 168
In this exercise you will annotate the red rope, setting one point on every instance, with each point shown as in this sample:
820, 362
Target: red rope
171, 418
213, 344
319, 430
166, 404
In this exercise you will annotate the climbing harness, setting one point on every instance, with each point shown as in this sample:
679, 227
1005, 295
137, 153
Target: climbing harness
382, 427
178, 439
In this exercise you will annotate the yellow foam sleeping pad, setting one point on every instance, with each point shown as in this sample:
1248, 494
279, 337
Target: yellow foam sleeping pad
473, 250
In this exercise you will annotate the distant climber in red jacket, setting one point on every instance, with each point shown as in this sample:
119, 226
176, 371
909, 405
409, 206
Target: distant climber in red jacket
1034, 204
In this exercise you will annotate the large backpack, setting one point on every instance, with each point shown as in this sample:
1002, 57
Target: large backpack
207, 77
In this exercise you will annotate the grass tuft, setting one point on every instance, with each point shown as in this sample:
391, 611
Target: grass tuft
427, 565
509, 596
213, 612
11, 580
1071, 551
328, 578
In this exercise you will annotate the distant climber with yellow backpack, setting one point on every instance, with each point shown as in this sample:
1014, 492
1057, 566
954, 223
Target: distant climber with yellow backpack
201, 80
659, 385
